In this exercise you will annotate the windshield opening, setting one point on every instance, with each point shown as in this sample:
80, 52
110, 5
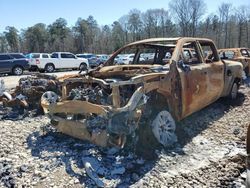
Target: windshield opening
143, 54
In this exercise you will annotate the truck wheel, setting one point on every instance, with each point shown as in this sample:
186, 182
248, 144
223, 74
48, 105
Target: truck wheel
83, 67
163, 128
17, 70
234, 91
49, 68
153, 134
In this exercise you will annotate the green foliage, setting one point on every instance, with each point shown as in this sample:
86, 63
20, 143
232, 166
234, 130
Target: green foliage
35, 38
11, 36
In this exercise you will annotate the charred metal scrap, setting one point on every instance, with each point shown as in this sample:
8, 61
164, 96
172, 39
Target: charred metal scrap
86, 109
27, 95
123, 100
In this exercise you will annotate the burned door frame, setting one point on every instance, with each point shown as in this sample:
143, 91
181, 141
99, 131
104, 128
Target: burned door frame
196, 80
215, 71
193, 81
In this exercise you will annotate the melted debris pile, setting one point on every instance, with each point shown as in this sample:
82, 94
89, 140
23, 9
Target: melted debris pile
7, 174
95, 95
25, 99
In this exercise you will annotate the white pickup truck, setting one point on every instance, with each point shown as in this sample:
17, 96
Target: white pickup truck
59, 60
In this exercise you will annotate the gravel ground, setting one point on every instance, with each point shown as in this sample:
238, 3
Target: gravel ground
210, 153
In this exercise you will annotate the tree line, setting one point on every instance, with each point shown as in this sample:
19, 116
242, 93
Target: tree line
228, 27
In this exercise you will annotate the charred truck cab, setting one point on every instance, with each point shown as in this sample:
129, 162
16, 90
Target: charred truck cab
161, 85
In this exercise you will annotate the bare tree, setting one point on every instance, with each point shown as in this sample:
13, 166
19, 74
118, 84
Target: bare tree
241, 13
224, 12
197, 10
156, 22
135, 23
188, 14
124, 24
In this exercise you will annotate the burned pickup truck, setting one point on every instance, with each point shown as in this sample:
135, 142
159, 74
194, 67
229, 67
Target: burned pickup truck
237, 54
117, 103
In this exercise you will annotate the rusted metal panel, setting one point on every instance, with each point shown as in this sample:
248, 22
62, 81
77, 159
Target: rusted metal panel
80, 131
75, 107
116, 96
202, 85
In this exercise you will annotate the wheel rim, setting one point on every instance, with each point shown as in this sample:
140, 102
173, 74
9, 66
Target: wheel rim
18, 70
234, 91
50, 68
163, 128
49, 97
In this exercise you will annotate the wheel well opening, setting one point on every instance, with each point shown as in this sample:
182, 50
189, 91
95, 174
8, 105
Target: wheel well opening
50, 64
237, 81
156, 103
17, 66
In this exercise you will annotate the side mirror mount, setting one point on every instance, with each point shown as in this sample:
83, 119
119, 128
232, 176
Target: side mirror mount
183, 66
229, 73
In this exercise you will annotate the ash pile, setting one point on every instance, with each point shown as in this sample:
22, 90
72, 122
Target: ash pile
24, 100
95, 95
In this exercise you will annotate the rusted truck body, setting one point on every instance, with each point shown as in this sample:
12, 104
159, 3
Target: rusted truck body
109, 104
237, 54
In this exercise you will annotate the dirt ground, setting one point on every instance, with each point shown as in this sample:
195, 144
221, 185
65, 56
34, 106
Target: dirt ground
210, 153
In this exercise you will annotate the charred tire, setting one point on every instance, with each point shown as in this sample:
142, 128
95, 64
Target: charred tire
41, 70
151, 137
83, 67
247, 71
234, 91
50, 68
146, 142
17, 70
49, 97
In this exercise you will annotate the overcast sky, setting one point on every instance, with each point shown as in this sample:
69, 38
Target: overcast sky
25, 13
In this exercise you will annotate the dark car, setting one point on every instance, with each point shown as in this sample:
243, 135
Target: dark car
10, 64
17, 55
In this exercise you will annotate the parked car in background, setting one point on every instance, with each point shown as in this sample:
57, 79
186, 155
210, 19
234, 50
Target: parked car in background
92, 59
17, 55
102, 58
35, 58
60, 60
10, 64
127, 59
237, 54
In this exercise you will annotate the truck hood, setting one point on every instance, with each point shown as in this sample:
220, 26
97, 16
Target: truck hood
236, 68
125, 72
232, 63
